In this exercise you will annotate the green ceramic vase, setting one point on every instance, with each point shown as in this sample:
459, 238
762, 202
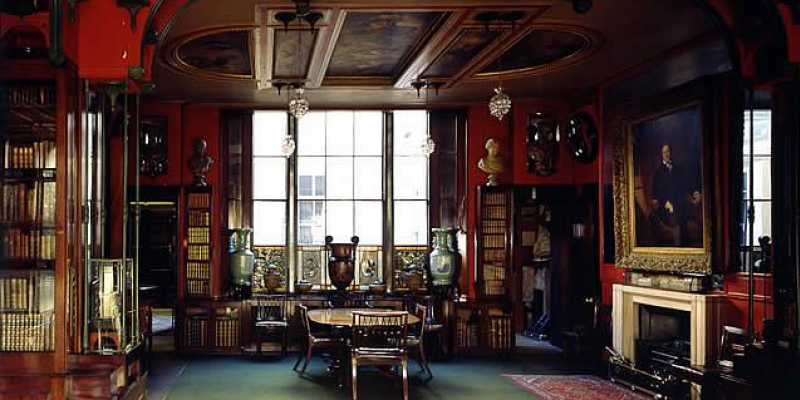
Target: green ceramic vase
242, 259
444, 257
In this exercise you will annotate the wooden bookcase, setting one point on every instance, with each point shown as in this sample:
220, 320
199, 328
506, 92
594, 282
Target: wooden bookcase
30, 143
483, 329
485, 326
199, 248
210, 327
494, 235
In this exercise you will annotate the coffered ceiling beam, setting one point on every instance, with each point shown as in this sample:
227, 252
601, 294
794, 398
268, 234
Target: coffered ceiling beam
323, 49
493, 51
263, 44
437, 44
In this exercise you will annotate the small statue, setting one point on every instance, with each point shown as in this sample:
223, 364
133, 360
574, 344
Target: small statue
492, 162
200, 163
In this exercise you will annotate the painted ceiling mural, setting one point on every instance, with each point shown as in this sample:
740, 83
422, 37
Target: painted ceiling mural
539, 48
226, 53
469, 44
287, 56
376, 44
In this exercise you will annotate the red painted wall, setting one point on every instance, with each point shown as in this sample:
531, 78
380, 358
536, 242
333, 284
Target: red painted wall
106, 44
511, 132
175, 147
204, 122
186, 123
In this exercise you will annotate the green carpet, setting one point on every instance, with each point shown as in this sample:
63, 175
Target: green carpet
243, 378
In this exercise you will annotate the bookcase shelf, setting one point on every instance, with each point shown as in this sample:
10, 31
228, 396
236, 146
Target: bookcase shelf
199, 247
494, 233
485, 326
28, 193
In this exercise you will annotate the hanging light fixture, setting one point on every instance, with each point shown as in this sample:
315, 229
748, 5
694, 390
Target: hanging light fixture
299, 105
500, 104
288, 145
428, 145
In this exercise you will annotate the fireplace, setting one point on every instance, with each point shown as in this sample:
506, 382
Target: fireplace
643, 314
664, 337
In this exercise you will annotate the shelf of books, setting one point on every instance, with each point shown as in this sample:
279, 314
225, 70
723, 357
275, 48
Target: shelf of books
194, 328
493, 241
199, 247
483, 329
27, 216
227, 327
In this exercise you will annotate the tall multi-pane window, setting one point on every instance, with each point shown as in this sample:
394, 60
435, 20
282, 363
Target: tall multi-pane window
339, 186
759, 194
269, 177
410, 193
410, 179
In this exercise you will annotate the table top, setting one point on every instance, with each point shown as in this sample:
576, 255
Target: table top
344, 316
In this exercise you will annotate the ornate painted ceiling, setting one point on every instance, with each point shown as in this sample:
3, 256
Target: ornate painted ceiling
370, 51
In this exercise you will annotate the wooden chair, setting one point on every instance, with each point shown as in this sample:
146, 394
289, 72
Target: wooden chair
415, 340
313, 339
733, 342
271, 318
379, 338
348, 300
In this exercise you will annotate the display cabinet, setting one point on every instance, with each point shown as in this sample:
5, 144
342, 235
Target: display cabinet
112, 323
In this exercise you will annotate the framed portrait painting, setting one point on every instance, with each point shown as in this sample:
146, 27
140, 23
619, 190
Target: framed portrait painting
661, 185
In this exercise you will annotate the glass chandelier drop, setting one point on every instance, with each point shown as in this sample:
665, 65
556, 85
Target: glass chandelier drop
500, 104
298, 105
428, 146
288, 145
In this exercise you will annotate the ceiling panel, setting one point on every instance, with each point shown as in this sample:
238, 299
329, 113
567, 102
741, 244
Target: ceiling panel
379, 43
469, 44
538, 48
292, 53
224, 53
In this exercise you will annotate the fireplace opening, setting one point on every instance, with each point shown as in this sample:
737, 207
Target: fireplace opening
664, 338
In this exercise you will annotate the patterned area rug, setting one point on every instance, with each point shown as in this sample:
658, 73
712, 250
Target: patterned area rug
573, 387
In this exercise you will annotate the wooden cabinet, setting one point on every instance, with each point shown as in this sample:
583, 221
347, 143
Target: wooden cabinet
483, 328
485, 325
35, 215
210, 327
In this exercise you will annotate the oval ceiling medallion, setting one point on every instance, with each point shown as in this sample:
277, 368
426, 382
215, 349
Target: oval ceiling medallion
221, 53
543, 50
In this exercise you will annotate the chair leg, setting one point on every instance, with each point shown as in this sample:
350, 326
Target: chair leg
405, 379
354, 378
284, 342
299, 358
309, 347
424, 360
258, 342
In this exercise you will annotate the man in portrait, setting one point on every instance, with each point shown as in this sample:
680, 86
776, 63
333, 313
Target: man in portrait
676, 199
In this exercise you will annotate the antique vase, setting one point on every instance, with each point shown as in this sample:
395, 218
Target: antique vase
242, 259
444, 257
341, 264
273, 280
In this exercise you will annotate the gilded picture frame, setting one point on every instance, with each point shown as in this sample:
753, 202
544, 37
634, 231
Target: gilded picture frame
662, 183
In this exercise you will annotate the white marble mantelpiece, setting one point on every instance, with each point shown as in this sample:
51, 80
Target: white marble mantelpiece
705, 313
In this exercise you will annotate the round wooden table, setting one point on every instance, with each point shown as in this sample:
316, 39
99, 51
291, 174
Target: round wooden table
344, 316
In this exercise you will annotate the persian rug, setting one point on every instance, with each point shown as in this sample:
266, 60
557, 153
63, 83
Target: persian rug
573, 387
